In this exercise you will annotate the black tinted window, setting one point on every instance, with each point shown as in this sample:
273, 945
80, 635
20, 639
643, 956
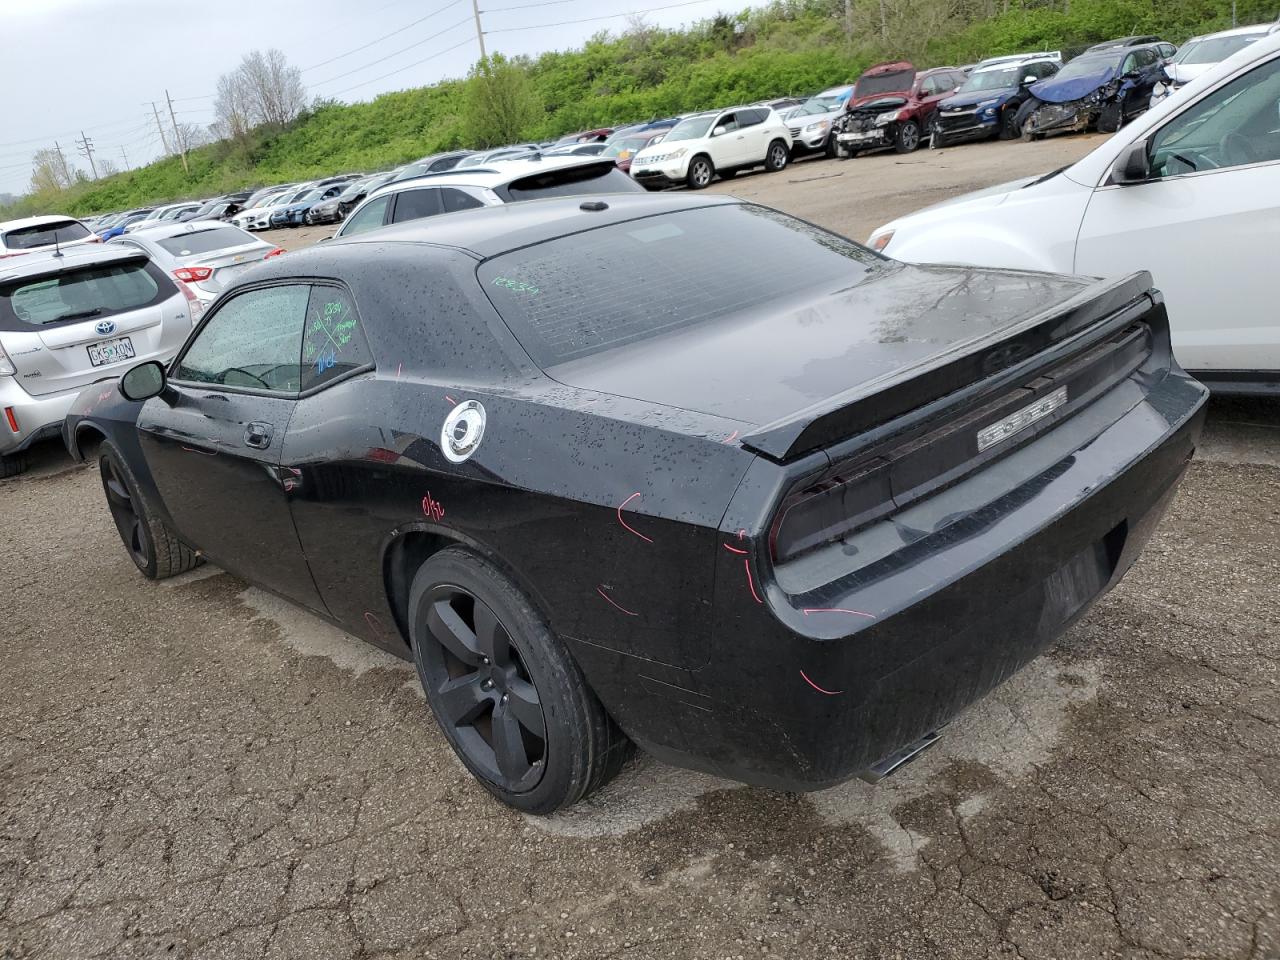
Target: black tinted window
86, 294
205, 241
416, 204
24, 238
603, 177
254, 340
454, 200
578, 295
332, 341
749, 118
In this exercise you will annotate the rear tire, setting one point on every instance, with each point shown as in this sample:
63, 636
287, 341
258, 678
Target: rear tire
701, 172
13, 464
907, 139
508, 697
776, 157
154, 550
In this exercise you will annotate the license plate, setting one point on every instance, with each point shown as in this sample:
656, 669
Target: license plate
1021, 419
111, 351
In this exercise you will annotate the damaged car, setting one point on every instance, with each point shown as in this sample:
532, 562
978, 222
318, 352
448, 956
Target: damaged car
986, 106
593, 520
1101, 91
892, 106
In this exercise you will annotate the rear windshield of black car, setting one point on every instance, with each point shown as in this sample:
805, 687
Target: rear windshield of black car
80, 295
44, 235
573, 182
884, 83
204, 241
582, 294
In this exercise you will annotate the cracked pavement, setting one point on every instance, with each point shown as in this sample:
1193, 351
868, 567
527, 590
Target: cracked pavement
193, 769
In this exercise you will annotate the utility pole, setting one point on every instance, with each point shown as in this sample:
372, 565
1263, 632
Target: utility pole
63, 169
84, 146
177, 137
126, 158
884, 23
160, 126
848, 23
475, 8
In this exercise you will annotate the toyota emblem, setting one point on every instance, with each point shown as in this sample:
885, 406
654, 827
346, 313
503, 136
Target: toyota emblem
104, 327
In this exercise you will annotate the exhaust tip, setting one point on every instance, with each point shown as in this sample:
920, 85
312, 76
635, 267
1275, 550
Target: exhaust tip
899, 758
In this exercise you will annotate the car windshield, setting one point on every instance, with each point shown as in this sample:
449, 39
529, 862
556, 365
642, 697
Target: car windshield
627, 147
894, 82
574, 296
822, 103
1213, 50
1088, 66
79, 294
691, 129
205, 241
44, 235
993, 79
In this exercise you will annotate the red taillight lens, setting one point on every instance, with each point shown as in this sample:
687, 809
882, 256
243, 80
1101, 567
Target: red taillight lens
274, 253
13, 421
193, 274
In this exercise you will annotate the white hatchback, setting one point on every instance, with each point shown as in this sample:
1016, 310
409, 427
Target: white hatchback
721, 142
42, 234
1189, 191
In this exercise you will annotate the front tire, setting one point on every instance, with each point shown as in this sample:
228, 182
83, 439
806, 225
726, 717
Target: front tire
154, 550
1009, 128
1111, 117
508, 697
907, 139
701, 172
776, 157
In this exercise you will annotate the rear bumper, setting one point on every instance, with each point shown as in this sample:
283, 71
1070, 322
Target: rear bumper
802, 699
37, 417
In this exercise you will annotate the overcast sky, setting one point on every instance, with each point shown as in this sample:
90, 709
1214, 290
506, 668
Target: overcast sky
96, 65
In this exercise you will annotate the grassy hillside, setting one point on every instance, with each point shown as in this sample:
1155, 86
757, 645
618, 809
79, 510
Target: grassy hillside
791, 46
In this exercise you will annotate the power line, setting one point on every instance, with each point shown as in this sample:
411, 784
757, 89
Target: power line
526, 6
612, 16
410, 66
52, 136
441, 33
380, 39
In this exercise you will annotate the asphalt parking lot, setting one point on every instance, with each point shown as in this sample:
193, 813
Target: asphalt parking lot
194, 769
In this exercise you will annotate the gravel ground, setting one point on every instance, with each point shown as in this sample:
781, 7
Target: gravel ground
194, 769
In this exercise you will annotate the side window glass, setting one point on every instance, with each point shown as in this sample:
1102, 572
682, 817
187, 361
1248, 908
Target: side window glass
416, 204
1233, 126
252, 341
454, 200
368, 218
749, 118
729, 121
332, 342
1130, 64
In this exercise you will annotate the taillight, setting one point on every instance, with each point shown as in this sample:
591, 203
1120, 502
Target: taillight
832, 509
193, 274
274, 253
194, 304
13, 421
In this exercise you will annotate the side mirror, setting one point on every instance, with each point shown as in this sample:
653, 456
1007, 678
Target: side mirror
324, 239
718, 132
144, 381
1028, 80
1133, 165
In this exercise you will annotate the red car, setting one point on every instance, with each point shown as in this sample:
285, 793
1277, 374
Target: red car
892, 105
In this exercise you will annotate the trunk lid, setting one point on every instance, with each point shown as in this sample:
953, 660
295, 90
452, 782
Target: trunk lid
800, 368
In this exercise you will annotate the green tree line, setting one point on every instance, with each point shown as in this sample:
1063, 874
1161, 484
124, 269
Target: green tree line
786, 47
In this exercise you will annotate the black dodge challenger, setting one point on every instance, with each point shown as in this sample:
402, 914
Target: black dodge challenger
683, 472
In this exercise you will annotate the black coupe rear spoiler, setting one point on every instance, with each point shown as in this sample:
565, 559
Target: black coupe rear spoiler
1011, 351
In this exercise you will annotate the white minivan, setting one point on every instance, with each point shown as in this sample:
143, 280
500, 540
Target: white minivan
1190, 191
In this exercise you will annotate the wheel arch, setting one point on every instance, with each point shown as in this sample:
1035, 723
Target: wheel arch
87, 438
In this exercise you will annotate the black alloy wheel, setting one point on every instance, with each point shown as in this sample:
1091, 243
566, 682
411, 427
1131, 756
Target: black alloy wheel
1009, 128
126, 512
510, 700
908, 137
482, 689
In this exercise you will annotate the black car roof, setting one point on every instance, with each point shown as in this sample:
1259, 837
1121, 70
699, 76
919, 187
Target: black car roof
494, 230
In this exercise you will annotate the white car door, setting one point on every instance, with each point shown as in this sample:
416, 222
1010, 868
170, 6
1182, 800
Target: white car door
1206, 224
728, 149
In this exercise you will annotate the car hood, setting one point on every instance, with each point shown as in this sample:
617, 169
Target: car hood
1054, 90
861, 103
820, 343
974, 97
1181, 73
879, 102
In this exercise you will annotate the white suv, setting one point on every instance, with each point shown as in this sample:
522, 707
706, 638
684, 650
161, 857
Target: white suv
71, 320
1189, 191
723, 142
40, 234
